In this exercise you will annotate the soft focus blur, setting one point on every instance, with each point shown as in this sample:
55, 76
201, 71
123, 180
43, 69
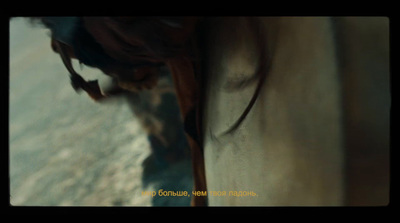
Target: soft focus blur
66, 149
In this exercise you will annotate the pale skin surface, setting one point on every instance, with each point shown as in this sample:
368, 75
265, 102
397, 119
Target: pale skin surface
297, 145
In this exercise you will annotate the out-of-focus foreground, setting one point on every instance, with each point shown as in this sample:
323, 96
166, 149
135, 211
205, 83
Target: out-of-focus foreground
66, 149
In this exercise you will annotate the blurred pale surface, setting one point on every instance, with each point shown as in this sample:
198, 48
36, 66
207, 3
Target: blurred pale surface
66, 149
